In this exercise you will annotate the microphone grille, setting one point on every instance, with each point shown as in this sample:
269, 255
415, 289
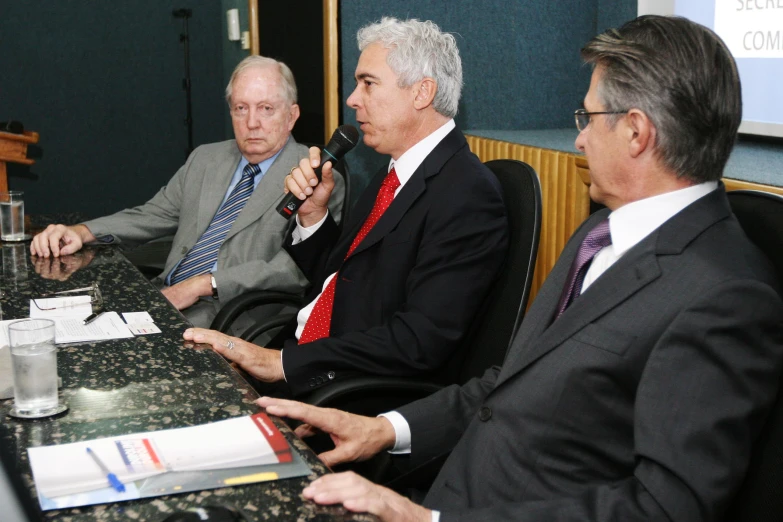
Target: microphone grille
346, 136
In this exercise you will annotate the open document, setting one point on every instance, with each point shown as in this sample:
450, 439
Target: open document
235, 451
107, 326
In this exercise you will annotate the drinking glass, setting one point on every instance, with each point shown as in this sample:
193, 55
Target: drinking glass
12, 216
34, 364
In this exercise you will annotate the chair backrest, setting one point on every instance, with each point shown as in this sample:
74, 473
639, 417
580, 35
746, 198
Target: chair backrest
759, 499
501, 312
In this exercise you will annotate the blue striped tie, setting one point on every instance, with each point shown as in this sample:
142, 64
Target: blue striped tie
203, 255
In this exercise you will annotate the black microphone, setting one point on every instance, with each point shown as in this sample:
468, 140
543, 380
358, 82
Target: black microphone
345, 138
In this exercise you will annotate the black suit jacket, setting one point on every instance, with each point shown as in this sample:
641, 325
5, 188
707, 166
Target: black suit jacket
407, 295
641, 402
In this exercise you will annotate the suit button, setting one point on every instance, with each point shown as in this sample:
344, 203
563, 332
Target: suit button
311, 382
330, 375
319, 380
485, 413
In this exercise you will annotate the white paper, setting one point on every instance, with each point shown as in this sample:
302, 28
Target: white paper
137, 317
67, 469
6, 372
143, 328
140, 323
77, 306
107, 326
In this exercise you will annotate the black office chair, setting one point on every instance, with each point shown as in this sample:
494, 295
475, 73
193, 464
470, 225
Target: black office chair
759, 499
488, 338
232, 309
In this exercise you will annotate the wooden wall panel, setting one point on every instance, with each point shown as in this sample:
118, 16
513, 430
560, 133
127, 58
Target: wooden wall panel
564, 196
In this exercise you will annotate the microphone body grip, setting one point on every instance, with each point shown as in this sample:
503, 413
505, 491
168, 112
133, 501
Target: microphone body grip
344, 139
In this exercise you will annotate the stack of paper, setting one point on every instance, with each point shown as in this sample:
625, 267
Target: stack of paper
68, 469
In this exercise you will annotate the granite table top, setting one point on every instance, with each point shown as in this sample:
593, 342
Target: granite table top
141, 384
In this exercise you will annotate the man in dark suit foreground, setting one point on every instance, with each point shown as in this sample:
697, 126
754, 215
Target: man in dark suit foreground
396, 291
632, 391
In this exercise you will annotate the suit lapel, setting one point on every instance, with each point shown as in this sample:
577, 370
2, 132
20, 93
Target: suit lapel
358, 216
630, 274
269, 190
216, 181
414, 188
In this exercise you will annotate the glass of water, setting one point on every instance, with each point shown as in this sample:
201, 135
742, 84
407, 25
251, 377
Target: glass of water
12, 216
34, 364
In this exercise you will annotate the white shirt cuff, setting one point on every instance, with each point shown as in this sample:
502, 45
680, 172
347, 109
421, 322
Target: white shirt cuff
435, 516
301, 233
281, 365
402, 433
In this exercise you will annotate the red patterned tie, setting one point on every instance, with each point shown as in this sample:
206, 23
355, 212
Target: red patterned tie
320, 320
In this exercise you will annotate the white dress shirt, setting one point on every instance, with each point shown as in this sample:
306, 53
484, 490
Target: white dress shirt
628, 225
404, 167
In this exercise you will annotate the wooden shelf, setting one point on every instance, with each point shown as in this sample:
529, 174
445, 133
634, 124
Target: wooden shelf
13, 149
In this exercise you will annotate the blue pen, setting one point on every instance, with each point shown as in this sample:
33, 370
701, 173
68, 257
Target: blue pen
113, 480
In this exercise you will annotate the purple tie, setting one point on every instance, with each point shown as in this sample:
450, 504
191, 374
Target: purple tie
595, 240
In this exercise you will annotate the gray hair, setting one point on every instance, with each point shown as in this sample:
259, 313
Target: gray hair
289, 85
682, 76
418, 50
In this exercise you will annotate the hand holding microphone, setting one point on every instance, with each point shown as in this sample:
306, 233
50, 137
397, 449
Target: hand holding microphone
303, 177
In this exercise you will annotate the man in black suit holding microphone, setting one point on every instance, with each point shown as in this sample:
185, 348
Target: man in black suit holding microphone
395, 292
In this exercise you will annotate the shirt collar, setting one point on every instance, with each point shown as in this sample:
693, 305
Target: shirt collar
407, 164
264, 165
631, 223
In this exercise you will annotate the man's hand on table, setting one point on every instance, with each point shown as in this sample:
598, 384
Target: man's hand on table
355, 437
360, 495
185, 294
262, 363
61, 268
60, 240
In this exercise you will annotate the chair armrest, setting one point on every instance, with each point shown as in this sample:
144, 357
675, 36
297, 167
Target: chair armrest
371, 395
232, 309
264, 326
150, 272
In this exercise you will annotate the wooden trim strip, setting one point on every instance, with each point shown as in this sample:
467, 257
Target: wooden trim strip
331, 69
252, 15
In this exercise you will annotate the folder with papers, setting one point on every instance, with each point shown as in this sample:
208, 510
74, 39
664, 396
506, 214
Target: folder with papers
234, 451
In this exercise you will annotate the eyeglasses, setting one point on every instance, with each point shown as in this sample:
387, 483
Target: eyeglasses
582, 117
96, 299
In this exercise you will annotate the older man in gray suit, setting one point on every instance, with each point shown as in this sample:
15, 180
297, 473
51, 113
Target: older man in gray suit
220, 206
643, 372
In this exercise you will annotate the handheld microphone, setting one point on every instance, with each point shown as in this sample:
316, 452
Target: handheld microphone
345, 138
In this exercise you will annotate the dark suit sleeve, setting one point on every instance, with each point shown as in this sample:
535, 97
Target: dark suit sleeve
311, 255
701, 401
437, 422
462, 245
